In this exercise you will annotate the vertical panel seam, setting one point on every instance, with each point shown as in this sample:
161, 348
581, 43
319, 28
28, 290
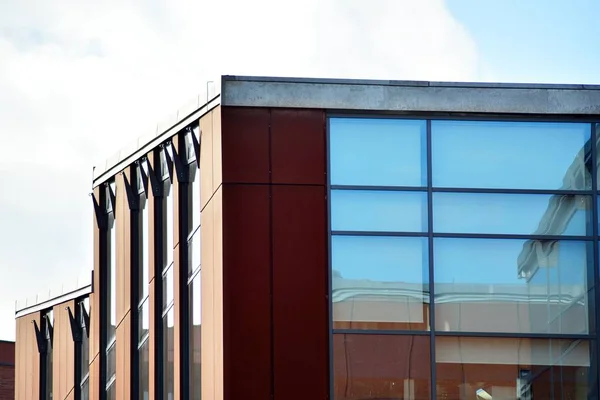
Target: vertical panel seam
271, 264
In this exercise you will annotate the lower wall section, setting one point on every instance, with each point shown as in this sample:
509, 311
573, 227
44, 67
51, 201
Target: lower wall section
275, 266
7, 382
246, 292
300, 344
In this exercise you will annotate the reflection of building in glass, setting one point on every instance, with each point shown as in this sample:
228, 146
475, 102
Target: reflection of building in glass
293, 239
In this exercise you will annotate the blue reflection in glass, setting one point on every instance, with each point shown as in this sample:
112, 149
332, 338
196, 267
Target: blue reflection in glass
380, 258
516, 155
512, 214
378, 279
381, 211
545, 281
377, 152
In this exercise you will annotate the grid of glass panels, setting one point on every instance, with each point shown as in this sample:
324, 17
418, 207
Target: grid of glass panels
463, 258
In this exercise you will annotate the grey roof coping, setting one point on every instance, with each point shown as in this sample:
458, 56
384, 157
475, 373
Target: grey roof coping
371, 82
411, 96
367, 95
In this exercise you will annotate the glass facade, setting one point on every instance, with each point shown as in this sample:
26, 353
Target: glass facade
463, 259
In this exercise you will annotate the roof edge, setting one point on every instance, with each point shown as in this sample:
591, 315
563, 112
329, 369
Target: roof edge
411, 83
72, 294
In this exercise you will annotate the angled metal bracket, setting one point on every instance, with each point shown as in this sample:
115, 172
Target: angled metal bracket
75, 327
99, 212
133, 199
39, 338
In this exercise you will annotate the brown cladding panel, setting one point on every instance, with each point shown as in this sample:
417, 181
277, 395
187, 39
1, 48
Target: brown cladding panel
207, 302
63, 351
298, 146
217, 164
206, 158
300, 284
218, 292
246, 292
27, 367
123, 268
245, 144
94, 382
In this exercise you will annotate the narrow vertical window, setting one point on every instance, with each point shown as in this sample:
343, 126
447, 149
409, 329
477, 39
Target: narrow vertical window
83, 309
110, 292
142, 283
167, 237
47, 354
193, 211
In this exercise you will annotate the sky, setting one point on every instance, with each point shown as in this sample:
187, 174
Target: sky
80, 79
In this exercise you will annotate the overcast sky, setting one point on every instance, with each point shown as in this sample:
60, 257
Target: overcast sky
79, 79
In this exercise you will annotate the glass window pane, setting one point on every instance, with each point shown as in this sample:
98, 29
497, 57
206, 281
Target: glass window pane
111, 361
144, 357
85, 343
168, 351
517, 155
494, 368
111, 392
84, 389
528, 286
196, 204
380, 282
512, 214
167, 287
383, 211
381, 367
194, 252
377, 152
143, 320
195, 318
112, 284
168, 227
145, 252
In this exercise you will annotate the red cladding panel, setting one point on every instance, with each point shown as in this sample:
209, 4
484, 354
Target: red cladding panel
300, 304
245, 144
298, 146
246, 292
7, 352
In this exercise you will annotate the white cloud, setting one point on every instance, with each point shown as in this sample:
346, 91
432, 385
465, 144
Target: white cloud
80, 79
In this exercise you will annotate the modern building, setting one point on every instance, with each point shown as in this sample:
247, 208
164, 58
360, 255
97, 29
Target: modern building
297, 239
7, 370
